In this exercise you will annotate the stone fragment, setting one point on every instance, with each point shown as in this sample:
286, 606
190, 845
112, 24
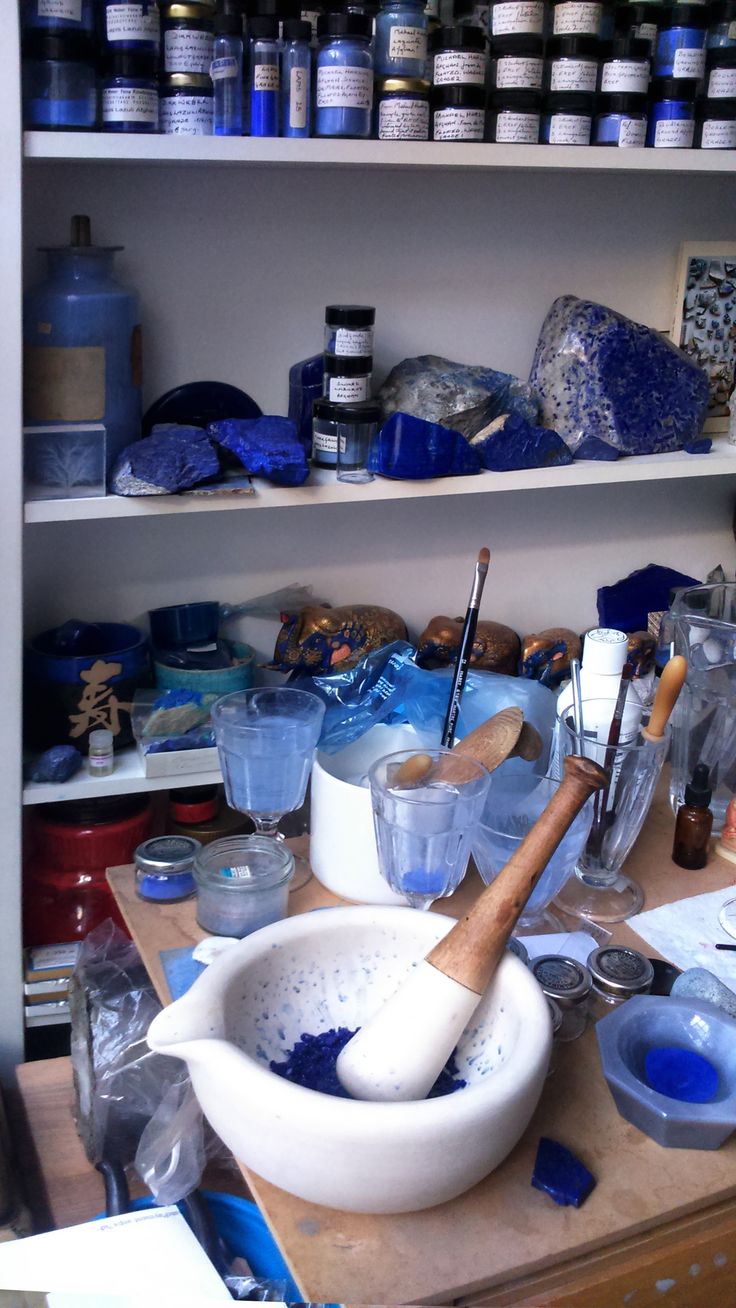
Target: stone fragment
627, 603
699, 983
455, 395
173, 458
58, 764
267, 447
514, 443
412, 449
558, 1173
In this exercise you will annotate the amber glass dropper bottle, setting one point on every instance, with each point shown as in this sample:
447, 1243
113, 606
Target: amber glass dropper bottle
693, 823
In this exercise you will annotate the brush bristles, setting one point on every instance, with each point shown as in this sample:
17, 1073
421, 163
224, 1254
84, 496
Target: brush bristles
484, 559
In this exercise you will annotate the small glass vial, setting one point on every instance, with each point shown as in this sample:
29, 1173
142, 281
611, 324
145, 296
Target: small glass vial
715, 129
402, 109
357, 426
720, 74
517, 63
625, 66
59, 82
265, 78
349, 329
135, 27
671, 124
226, 72
694, 822
347, 378
572, 63
515, 117
344, 101
296, 79
517, 18
130, 94
722, 28
187, 39
401, 39
639, 20
568, 983
100, 761
164, 868
458, 56
458, 113
186, 105
680, 49
577, 18
567, 118
621, 120
617, 973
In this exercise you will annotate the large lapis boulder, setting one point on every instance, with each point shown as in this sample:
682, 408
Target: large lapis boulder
456, 395
513, 444
607, 381
267, 447
409, 449
173, 458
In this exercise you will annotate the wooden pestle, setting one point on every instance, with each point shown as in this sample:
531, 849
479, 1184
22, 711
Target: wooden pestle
505, 735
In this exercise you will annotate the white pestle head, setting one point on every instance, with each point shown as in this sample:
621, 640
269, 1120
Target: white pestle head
399, 1053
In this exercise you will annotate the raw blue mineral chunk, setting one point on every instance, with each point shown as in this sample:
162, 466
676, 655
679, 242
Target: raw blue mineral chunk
516, 444
267, 447
312, 1063
410, 449
627, 603
58, 764
561, 1175
456, 395
592, 447
605, 378
172, 458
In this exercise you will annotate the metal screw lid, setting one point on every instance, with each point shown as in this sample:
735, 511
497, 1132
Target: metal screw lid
619, 971
562, 979
166, 854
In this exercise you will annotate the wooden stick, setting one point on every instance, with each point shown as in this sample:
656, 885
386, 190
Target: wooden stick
670, 684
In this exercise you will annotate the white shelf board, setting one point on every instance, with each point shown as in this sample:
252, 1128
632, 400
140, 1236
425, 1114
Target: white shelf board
323, 488
104, 147
127, 779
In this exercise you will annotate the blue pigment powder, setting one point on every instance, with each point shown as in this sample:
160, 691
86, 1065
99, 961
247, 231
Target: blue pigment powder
311, 1063
681, 1074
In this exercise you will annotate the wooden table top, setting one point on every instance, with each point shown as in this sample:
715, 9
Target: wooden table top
502, 1229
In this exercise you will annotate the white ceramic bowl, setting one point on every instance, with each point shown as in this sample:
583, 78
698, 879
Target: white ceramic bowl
334, 968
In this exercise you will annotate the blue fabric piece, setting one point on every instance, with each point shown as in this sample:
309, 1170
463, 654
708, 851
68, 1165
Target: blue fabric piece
680, 1074
592, 447
558, 1173
173, 458
626, 604
267, 447
519, 444
601, 375
439, 390
410, 449
56, 764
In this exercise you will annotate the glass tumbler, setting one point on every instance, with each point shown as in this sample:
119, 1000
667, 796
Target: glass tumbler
425, 816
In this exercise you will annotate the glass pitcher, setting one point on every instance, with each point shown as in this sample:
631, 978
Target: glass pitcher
703, 624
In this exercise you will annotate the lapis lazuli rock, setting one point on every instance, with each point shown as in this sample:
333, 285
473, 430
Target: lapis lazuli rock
58, 764
515, 444
305, 386
173, 458
602, 376
267, 447
456, 395
408, 448
626, 604
561, 1175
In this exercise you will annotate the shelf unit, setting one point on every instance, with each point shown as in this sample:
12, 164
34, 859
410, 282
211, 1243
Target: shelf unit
127, 779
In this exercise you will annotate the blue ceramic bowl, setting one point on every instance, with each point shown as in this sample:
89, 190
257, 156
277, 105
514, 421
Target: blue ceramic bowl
179, 625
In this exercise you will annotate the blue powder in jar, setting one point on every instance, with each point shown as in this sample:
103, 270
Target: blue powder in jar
312, 1064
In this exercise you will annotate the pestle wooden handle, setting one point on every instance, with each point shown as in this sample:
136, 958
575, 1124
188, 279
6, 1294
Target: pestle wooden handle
670, 684
471, 951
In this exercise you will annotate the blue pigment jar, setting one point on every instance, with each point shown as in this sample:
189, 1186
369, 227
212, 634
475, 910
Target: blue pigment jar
400, 48
715, 125
130, 94
226, 72
164, 868
515, 117
680, 49
720, 74
59, 82
517, 63
347, 378
722, 25
458, 56
572, 63
621, 120
349, 329
186, 105
640, 20
458, 113
296, 79
187, 38
344, 75
671, 123
625, 66
517, 18
567, 118
131, 26
265, 76
402, 109
577, 18
58, 16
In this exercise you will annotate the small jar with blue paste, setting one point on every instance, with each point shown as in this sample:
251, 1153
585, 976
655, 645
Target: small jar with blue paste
514, 117
188, 38
567, 118
58, 16
344, 101
458, 56
639, 20
130, 93
621, 120
517, 63
722, 25
715, 125
132, 26
517, 18
59, 82
572, 63
680, 49
720, 74
400, 48
402, 109
458, 113
625, 66
671, 124
186, 105
164, 869
577, 18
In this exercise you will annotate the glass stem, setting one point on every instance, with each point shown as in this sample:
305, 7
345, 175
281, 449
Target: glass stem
267, 825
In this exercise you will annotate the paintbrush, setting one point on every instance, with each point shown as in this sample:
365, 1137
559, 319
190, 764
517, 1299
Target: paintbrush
466, 648
614, 735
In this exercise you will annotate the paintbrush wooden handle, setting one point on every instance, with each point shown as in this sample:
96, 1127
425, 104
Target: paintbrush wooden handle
470, 952
670, 684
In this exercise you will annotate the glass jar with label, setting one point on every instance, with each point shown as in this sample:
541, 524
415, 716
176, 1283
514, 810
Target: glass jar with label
722, 25
333, 423
296, 79
514, 117
577, 18
164, 868
715, 125
517, 63
132, 26
641, 20
720, 74
402, 109
58, 16
188, 37
349, 329
186, 105
59, 82
572, 63
458, 56
680, 49
621, 120
671, 124
344, 75
567, 118
458, 113
568, 983
401, 39
265, 75
347, 379
517, 18
625, 66
130, 94
617, 973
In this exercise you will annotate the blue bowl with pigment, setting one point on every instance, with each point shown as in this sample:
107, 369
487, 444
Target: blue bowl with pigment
179, 625
81, 677
210, 681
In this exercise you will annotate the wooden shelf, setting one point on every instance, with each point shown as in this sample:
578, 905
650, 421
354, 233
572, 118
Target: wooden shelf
127, 779
102, 147
323, 487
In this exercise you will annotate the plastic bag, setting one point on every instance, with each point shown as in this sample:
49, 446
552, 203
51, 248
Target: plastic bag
287, 600
356, 700
171, 1153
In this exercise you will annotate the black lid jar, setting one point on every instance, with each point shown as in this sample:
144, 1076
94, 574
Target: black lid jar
329, 422
572, 63
458, 113
517, 63
186, 105
567, 118
517, 17
625, 66
59, 81
720, 74
188, 33
402, 109
347, 379
715, 125
618, 973
671, 124
680, 48
621, 120
349, 329
721, 25
130, 93
639, 20
514, 118
577, 18
458, 56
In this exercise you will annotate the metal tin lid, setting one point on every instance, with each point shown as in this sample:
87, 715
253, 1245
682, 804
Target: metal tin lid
515, 946
409, 85
562, 979
620, 972
166, 854
186, 82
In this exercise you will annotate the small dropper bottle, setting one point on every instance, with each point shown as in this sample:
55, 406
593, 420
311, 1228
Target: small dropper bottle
694, 823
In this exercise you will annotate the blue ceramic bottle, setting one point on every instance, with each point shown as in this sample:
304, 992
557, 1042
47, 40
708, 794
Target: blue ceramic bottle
401, 39
296, 79
264, 76
344, 75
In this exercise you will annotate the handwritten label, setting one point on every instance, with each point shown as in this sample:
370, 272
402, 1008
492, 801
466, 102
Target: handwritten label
460, 68
519, 70
646, 32
344, 88
187, 51
71, 10
632, 133
688, 63
298, 96
403, 120
625, 75
674, 134
573, 75
517, 129
518, 16
324, 442
348, 390
132, 23
266, 77
407, 43
719, 134
186, 115
577, 18
310, 16
353, 341
456, 124
129, 104
722, 84
569, 129
224, 69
